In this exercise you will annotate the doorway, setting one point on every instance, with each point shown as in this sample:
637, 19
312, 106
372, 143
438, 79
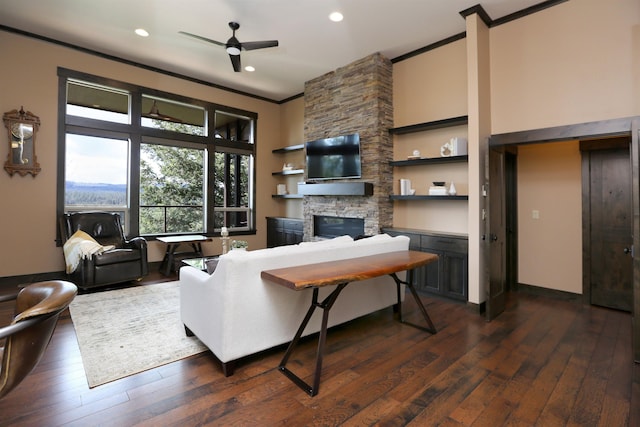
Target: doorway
607, 223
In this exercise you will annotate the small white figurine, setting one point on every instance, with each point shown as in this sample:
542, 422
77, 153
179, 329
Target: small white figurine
224, 232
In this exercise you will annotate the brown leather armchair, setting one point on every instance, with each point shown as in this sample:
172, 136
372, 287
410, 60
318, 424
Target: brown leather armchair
127, 261
37, 309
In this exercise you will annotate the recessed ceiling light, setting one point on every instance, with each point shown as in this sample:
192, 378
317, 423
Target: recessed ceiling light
142, 32
249, 68
336, 17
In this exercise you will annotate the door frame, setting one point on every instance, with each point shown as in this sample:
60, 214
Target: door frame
628, 126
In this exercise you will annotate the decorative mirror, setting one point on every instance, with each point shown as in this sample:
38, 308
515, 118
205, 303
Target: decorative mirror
22, 127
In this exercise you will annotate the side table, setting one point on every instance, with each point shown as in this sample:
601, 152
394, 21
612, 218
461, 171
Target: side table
173, 242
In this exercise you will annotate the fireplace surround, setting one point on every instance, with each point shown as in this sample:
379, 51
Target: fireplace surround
356, 98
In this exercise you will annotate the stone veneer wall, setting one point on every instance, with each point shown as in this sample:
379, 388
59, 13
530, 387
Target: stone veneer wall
357, 98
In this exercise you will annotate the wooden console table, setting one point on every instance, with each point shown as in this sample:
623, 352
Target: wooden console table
341, 273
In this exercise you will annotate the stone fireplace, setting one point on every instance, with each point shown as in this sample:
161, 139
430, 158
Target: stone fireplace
354, 99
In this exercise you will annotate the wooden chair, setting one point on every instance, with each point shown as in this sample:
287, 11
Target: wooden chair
37, 309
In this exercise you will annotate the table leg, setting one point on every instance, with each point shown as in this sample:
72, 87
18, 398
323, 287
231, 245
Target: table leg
197, 248
167, 261
409, 283
325, 305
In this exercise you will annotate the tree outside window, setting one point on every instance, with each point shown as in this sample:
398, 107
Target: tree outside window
171, 189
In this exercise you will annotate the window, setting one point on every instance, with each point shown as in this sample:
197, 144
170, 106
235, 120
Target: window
172, 183
174, 116
233, 172
97, 102
168, 164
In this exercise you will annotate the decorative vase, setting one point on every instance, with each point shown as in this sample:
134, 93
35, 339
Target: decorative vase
452, 189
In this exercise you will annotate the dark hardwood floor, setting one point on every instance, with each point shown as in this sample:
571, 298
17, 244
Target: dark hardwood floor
543, 362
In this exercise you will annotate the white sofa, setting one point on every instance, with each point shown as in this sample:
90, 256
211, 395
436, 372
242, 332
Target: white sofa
236, 313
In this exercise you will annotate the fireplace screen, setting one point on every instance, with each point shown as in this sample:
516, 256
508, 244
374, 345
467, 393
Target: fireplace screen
333, 226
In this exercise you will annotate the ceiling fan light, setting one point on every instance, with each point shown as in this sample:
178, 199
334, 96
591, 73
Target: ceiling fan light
232, 50
142, 32
336, 16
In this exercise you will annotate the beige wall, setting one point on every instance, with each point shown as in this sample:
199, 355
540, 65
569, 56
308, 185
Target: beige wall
479, 102
572, 63
292, 123
429, 87
28, 214
550, 249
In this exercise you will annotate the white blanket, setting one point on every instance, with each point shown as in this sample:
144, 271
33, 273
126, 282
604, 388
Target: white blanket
81, 245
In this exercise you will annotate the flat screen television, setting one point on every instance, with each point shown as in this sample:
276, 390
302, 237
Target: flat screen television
333, 158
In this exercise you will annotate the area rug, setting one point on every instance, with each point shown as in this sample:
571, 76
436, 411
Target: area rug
126, 331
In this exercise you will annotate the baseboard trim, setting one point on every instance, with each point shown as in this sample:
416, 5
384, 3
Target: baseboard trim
14, 282
477, 308
11, 283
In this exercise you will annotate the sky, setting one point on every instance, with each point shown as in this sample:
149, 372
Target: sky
95, 160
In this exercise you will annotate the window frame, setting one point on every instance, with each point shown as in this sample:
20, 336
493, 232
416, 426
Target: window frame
137, 134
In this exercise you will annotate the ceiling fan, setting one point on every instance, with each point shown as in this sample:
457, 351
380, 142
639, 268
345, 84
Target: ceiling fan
233, 45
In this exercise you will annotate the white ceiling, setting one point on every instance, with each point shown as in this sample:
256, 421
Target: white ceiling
310, 44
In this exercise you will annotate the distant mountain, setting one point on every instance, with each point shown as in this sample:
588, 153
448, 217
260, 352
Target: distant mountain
91, 186
95, 194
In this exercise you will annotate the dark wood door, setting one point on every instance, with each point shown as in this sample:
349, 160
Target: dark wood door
496, 291
635, 206
611, 228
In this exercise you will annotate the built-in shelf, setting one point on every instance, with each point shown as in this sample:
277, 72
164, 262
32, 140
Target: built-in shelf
437, 124
358, 188
287, 196
427, 197
288, 149
430, 161
288, 172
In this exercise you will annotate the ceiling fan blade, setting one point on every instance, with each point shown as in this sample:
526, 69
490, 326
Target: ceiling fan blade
195, 36
235, 61
259, 45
